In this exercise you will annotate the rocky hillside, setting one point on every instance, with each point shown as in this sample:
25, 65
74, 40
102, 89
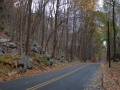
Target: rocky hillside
13, 65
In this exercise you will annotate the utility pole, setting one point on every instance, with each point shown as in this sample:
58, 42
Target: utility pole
114, 30
108, 45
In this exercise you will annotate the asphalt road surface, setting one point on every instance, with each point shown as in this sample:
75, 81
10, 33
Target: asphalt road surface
71, 78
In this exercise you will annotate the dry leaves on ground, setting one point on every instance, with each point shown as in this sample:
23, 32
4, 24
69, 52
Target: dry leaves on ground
96, 83
111, 76
34, 71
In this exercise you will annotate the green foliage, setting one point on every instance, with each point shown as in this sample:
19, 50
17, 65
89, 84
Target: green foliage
8, 57
5, 59
7, 26
45, 61
1, 72
100, 53
37, 56
4, 72
97, 38
118, 49
1, 65
101, 17
41, 65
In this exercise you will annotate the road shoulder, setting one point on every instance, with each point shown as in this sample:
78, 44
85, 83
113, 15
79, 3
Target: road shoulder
96, 83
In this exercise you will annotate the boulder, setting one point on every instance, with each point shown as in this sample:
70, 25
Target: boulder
41, 50
41, 64
10, 34
118, 55
35, 47
50, 61
4, 40
1, 54
15, 50
10, 45
62, 60
35, 44
23, 69
26, 61
1, 51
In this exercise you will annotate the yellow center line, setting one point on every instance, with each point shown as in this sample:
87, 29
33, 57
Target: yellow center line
54, 79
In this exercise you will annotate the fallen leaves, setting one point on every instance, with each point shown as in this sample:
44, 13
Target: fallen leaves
96, 83
36, 70
111, 76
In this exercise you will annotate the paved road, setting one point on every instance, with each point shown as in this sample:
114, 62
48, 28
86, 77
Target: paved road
71, 78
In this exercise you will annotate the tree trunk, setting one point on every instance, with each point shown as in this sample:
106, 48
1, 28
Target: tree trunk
20, 12
114, 30
43, 27
55, 34
67, 32
1, 14
29, 27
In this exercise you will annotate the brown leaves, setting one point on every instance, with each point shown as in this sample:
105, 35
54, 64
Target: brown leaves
96, 82
35, 70
89, 4
111, 76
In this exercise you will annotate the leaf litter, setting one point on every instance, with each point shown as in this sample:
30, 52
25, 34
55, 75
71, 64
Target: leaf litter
96, 83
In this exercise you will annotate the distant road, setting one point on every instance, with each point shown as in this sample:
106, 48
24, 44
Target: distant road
71, 78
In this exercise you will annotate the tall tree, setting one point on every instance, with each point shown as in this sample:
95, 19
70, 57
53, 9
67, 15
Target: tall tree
114, 30
28, 27
43, 27
1, 14
56, 23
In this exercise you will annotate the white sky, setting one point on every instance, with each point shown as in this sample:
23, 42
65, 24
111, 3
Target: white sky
100, 3
98, 6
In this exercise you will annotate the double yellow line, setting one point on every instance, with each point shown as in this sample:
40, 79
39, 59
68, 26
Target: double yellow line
54, 79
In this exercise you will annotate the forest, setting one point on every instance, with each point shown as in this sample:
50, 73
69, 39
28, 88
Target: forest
59, 27
46, 32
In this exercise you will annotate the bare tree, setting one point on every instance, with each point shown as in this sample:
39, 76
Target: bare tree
1, 14
29, 27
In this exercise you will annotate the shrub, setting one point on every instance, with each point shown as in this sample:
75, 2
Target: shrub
4, 72
1, 65
45, 61
5, 59
37, 56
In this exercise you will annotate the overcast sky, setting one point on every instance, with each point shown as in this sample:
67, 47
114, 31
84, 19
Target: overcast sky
98, 6
100, 3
